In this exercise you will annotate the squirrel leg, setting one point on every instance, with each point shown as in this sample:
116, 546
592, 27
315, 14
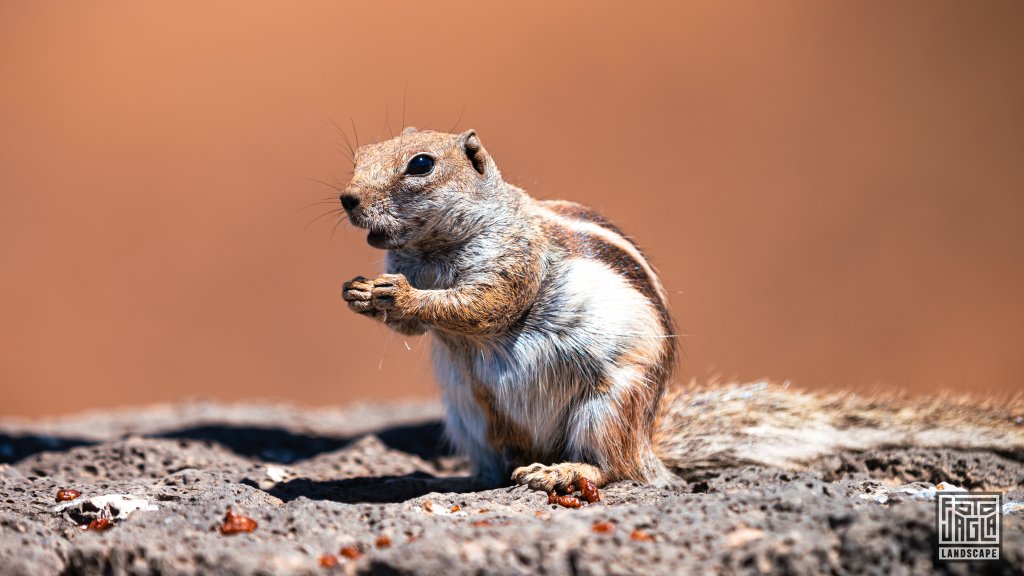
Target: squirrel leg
557, 476
469, 309
612, 430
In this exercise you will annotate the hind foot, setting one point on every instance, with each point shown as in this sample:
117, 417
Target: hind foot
557, 476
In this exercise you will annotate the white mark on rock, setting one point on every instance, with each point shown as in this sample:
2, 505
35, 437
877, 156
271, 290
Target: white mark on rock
116, 506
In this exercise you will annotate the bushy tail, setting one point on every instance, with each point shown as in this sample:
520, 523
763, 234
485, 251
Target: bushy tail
774, 425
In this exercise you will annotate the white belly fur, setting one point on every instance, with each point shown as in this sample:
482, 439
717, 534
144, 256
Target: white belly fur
592, 326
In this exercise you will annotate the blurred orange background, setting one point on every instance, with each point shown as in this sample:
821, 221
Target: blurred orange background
832, 191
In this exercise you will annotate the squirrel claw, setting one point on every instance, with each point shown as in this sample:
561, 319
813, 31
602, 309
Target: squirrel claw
358, 289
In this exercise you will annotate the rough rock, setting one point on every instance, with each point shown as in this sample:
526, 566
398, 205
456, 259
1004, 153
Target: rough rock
317, 480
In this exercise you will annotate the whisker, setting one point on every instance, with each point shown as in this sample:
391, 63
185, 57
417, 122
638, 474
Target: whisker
354, 131
457, 120
344, 137
324, 201
335, 211
338, 223
642, 335
343, 152
331, 212
404, 92
387, 114
328, 184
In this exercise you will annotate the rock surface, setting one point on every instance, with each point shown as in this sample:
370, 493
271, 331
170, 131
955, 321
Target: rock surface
375, 480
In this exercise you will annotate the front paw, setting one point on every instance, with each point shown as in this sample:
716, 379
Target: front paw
386, 295
358, 292
389, 293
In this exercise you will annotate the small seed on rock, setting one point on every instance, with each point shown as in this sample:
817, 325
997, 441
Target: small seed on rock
456, 508
99, 524
589, 491
481, 524
236, 523
569, 502
641, 536
603, 527
328, 560
351, 552
383, 541
65, 494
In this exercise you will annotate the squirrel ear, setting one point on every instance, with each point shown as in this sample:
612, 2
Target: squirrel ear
409, 130
474, 151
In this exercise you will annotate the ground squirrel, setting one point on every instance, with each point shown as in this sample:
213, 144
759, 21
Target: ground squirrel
553, 340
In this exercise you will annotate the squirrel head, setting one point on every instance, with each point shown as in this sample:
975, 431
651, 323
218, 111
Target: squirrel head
422, 187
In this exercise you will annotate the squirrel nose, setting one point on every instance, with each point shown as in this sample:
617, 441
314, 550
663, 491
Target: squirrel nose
349, 201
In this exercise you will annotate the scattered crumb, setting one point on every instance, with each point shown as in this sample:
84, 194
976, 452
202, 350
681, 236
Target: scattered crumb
641, 536
236, 523
99, 524
569, 502
589, 491
66, 494
351, 552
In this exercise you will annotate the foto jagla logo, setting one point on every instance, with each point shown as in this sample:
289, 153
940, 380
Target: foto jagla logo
969, 526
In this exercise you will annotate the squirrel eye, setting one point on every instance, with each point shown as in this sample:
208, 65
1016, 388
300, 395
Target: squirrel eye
420, 165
